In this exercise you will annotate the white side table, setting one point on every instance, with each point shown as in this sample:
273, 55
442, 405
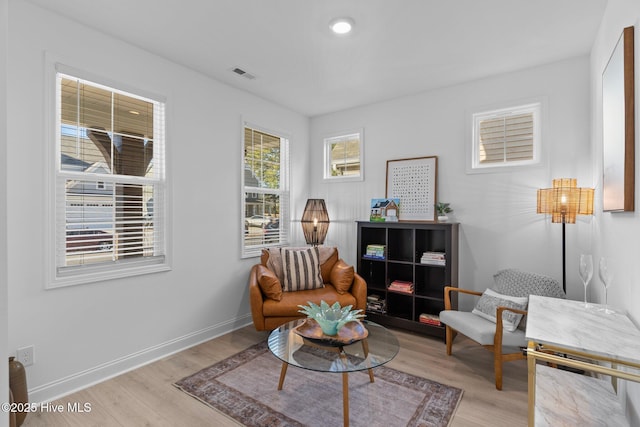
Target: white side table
592, 341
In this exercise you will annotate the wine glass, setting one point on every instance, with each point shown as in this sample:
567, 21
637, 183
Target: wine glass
586, 272
607, 277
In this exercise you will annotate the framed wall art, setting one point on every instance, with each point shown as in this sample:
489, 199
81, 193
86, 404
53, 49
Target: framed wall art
618, 127
413, 181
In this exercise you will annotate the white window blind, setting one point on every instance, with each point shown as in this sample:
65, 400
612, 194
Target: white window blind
506, 137
265, 207
110, 181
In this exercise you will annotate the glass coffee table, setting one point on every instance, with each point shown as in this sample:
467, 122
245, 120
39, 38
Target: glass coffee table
378, 348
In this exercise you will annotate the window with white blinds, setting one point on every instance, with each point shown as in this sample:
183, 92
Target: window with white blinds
265, 190
109, 183
506, 137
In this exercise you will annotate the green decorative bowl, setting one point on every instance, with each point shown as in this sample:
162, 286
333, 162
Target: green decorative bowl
331, 318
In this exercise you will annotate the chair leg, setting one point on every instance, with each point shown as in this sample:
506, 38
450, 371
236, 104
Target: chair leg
449, 335
497, 366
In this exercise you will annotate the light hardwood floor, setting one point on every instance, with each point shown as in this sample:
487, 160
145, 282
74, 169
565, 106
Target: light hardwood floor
146, 396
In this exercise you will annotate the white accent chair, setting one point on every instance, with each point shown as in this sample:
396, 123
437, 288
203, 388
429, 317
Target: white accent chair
504, 341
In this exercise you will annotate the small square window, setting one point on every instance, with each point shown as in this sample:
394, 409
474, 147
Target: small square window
506, 137
343, 156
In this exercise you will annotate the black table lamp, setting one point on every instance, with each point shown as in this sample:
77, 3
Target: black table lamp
315, 222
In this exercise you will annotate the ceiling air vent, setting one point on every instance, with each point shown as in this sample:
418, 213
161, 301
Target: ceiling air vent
243, 73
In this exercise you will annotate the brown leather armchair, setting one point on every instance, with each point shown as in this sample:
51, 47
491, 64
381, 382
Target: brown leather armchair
341, 284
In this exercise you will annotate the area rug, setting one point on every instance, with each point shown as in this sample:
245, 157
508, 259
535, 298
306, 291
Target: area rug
244, 387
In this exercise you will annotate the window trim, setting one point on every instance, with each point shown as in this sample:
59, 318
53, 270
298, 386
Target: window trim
57, 277
538, 106
284, 191
326, 149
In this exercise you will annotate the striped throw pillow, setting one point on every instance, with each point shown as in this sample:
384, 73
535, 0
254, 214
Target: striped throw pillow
301, 269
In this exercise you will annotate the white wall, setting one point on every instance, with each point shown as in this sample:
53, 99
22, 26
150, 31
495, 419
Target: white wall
615, 234
85, 333
497, 211
4, 304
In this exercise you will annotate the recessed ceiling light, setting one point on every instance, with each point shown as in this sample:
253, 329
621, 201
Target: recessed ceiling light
341, 26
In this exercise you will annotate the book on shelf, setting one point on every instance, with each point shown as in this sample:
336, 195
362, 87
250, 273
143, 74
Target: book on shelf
375, 251
401, 290
433, 262
430, 319
401, 286
376, 304
433, 258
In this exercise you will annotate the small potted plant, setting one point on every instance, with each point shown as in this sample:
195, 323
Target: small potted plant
443, 209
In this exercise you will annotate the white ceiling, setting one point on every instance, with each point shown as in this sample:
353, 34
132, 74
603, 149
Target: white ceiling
398, 47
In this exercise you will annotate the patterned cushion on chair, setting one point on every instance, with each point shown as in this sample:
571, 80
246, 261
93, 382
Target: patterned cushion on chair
522, 284
488, 303
274, 260
301, 269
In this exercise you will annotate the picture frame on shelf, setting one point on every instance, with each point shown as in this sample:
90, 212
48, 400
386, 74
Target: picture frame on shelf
413, 182
384, 210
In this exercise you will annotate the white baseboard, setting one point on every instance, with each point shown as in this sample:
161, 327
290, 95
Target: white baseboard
81, 380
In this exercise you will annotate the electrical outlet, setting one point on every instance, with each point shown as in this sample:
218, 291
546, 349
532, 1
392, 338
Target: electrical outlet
26, 355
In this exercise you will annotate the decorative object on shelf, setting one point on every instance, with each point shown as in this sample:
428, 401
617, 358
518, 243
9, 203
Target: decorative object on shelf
443, 209
564, 202
330, 318
384, 210
413, 181
351, 332
18, 387
618, 127
315, 222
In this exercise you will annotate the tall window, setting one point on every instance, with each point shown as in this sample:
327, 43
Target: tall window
343, 156
265, 190
109, 182
506, 137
